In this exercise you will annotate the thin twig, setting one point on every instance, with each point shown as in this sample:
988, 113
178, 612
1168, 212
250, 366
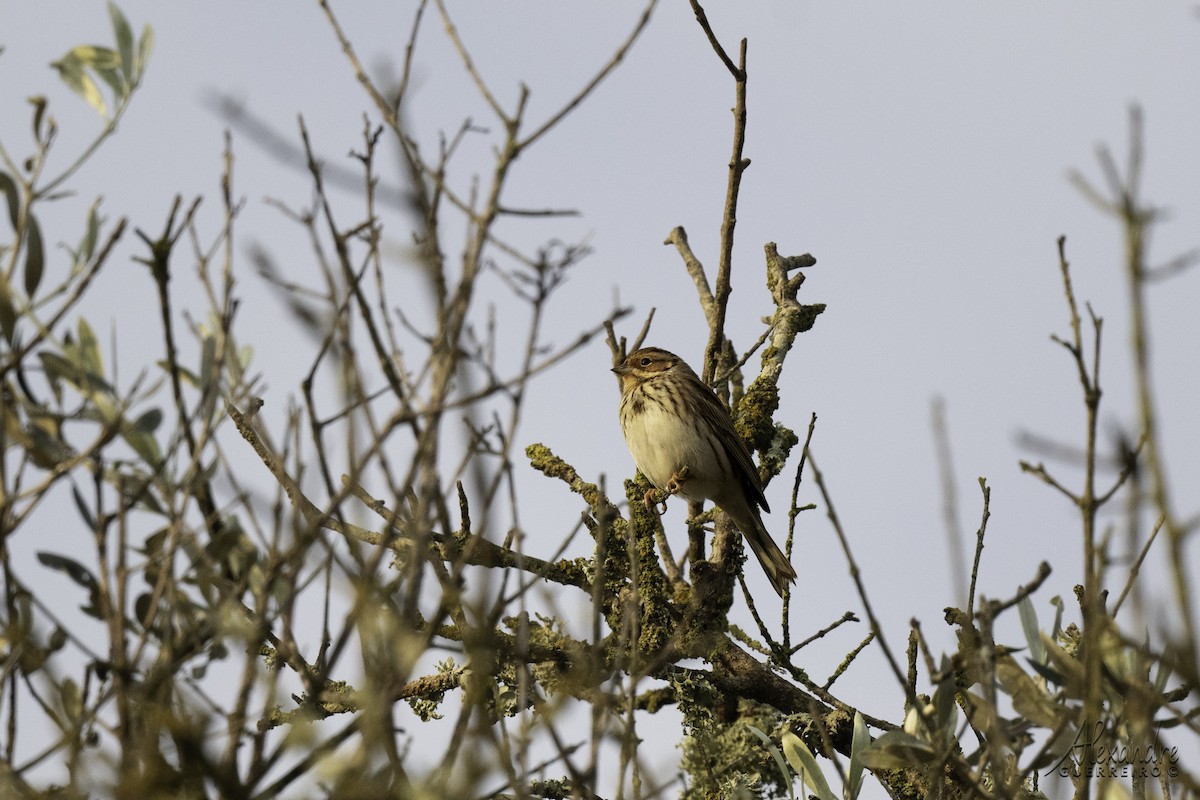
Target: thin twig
715, 348
979, 535
617, 57
856, 576
945, 461
1137, 565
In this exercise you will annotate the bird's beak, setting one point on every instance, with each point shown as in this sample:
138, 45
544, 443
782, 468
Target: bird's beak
621, 369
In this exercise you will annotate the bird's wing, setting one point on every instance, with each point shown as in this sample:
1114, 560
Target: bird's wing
735, 448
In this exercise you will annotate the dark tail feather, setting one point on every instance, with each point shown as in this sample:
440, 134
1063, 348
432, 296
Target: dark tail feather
779, 570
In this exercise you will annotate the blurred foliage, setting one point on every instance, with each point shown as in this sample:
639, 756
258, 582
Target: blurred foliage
245, 598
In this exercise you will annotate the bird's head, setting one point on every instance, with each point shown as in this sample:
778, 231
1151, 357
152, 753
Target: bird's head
646, 364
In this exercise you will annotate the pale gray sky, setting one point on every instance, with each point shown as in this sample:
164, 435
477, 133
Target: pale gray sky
918, 150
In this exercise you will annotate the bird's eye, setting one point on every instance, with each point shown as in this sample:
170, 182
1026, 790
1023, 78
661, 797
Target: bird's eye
647, 361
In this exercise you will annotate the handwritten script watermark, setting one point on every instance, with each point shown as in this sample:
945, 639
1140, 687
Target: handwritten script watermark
1096, 753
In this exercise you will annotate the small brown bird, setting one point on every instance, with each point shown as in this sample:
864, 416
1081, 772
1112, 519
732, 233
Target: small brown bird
672, 420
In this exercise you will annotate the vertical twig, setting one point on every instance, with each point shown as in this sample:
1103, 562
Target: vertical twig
715, 348
945, 460
1137, 219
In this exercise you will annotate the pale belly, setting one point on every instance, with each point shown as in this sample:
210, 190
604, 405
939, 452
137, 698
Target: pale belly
662, 444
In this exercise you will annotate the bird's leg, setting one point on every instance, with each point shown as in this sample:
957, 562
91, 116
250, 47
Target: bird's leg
650, 504
675, 484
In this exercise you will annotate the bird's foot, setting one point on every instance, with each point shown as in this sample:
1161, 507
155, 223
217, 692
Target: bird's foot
674, 486
676, 481
649, 500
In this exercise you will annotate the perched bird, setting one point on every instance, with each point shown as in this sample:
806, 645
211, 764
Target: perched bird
672, 420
